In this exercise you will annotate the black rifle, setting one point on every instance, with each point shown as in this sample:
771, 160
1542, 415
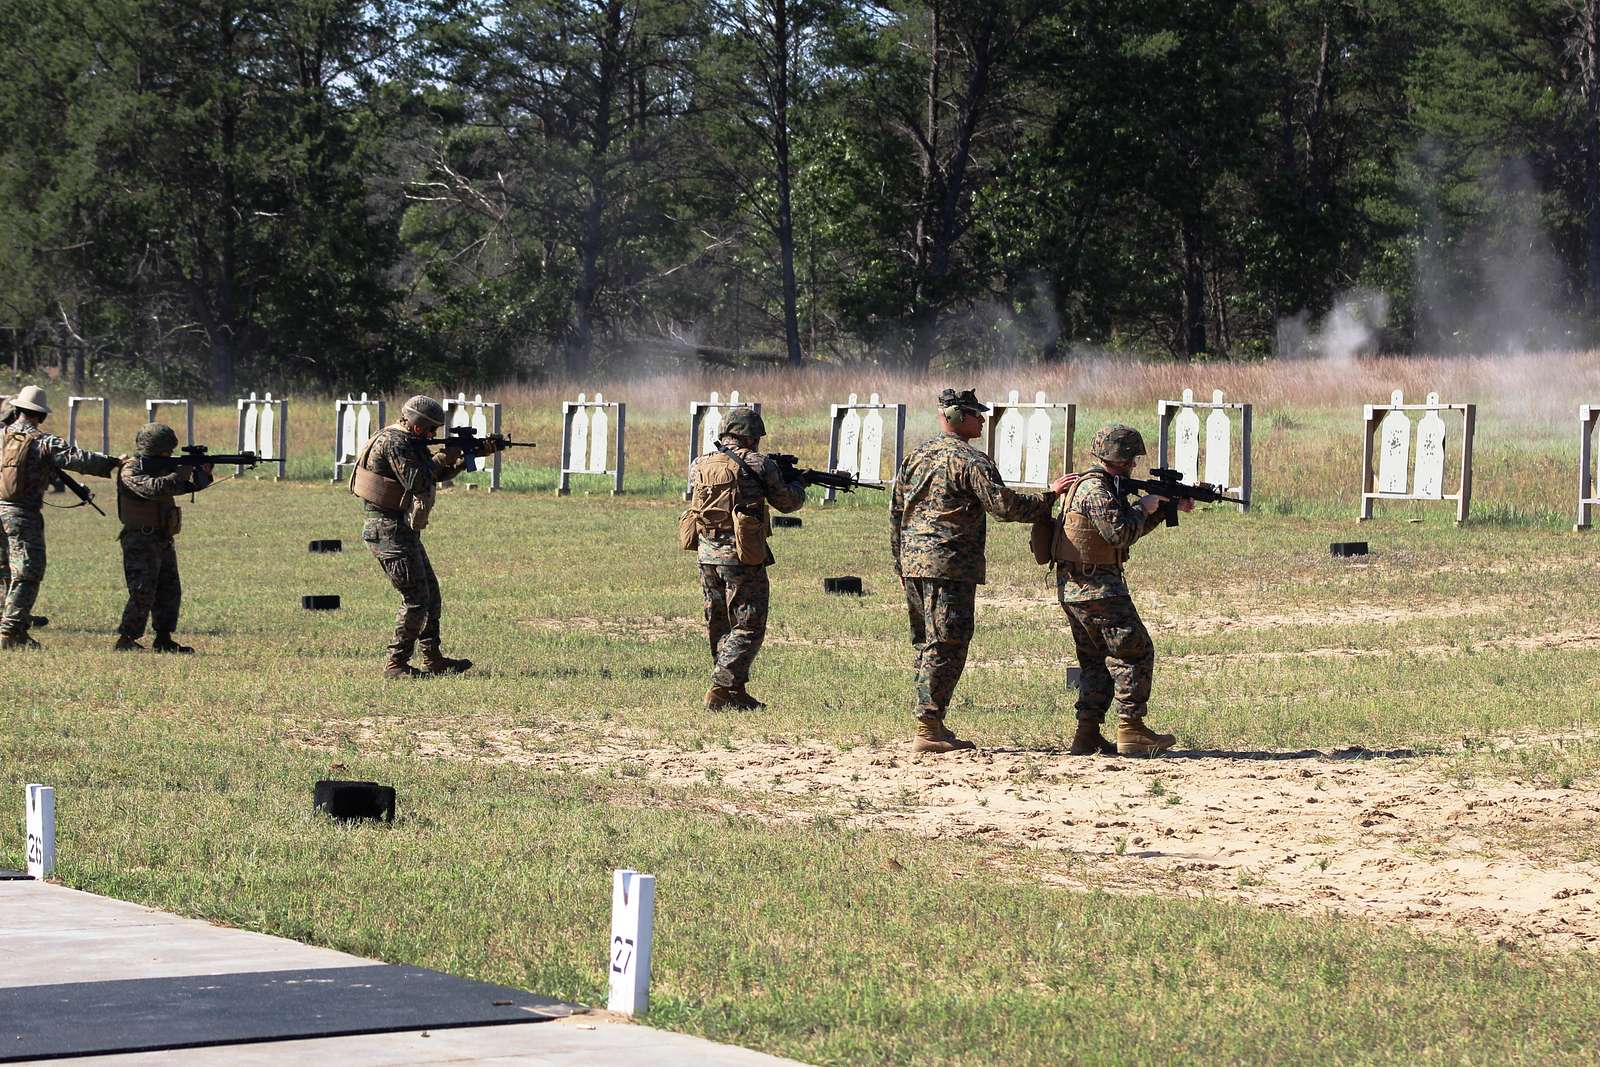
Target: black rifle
1168, 483
196, 456
465, 440
78, 489
843, 481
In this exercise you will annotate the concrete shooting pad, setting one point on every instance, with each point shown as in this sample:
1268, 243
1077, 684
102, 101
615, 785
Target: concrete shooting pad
91, 980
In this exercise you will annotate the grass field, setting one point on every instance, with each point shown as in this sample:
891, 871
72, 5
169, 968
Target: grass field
1376, 847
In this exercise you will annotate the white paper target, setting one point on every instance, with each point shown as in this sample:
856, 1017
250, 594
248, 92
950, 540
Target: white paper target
267, 427
252, 429
1037, 470
459, 414
850, 439
1430, 453
1186, 440
480, 415
1008, 441
599, 437
711, 424
1219, 443
347, 441
871, 465
1394, 456
579, 446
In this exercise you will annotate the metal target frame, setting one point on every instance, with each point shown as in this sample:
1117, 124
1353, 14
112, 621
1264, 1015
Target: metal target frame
73, 404
477, 405
1588, 495
280, 443
1373, 416
151, 406
347, 408
1168, 410
698, 410
837, 413
569, 412
1069, 429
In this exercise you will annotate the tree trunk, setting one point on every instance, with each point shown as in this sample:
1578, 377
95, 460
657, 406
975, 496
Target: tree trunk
1591, 156
1194, 288
780, 102
591, 242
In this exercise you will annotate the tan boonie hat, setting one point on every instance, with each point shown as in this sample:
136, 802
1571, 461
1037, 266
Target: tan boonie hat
31, 398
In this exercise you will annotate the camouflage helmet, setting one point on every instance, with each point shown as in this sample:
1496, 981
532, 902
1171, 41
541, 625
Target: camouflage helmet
423, 409
744, 422
1118, 443
154, 438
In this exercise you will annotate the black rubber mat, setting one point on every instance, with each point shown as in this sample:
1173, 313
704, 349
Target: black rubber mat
155, 1014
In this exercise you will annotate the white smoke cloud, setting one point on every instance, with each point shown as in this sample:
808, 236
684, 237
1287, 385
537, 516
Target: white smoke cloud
1351, 328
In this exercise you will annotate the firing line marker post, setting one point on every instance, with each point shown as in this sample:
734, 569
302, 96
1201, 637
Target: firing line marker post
40, 805
633, 906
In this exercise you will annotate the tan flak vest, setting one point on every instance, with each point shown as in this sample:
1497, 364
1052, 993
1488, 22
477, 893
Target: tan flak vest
13, 454
716, 507
140, 515
387, 493
1078, 540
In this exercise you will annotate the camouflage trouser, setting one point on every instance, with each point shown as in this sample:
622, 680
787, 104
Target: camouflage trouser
942, 620
399, 550
1115, 654
24, 566
736, 618
150, 566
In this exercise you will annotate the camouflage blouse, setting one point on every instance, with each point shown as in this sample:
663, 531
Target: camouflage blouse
400, 454
936, 512
1118, 522
46, 455
716, 547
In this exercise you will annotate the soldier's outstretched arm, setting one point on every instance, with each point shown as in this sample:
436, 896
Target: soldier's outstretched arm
155, 486
1007, 505
897, 503
65, 457
1118, 522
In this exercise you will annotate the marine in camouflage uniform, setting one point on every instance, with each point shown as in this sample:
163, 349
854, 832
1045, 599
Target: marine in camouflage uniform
396, 476
151, 520
1093, 536
937, 528
34, 458
737, 594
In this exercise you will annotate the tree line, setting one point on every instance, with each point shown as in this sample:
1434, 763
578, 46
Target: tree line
222, 194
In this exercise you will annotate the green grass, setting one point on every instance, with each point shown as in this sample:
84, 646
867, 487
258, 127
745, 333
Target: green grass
185, 783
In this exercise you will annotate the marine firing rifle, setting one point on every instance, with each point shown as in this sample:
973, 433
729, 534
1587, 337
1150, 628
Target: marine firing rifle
465, 439
843, 481
197, 456
1169, 483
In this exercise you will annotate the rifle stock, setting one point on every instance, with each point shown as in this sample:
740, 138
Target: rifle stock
842, 481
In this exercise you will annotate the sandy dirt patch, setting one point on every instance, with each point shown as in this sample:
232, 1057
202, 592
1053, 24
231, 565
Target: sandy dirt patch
1390, 837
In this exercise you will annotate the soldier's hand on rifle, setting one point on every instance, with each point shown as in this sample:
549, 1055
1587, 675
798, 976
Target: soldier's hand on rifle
1152, 503
1060, 486
1186, 504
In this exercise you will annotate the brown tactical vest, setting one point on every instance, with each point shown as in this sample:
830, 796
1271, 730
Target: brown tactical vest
13, 457
376, 489
716, 494
139, 514
1077, 538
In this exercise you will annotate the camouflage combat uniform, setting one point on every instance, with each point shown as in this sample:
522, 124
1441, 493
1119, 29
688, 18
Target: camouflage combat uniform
396, 453
936, 534
22, 517
1115, 653
149, 552
737, 594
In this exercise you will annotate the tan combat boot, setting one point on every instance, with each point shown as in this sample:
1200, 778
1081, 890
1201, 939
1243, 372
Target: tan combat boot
743, 701
720, 698
1134, 738
932, 736
445, 665
399, 668
1088, 741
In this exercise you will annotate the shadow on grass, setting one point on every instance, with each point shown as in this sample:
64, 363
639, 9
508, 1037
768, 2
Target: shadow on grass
1355, 752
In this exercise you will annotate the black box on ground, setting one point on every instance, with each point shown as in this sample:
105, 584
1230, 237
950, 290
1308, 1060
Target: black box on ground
354, 800
849, 585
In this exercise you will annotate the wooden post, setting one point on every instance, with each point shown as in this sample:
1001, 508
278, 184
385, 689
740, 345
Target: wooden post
633, 905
